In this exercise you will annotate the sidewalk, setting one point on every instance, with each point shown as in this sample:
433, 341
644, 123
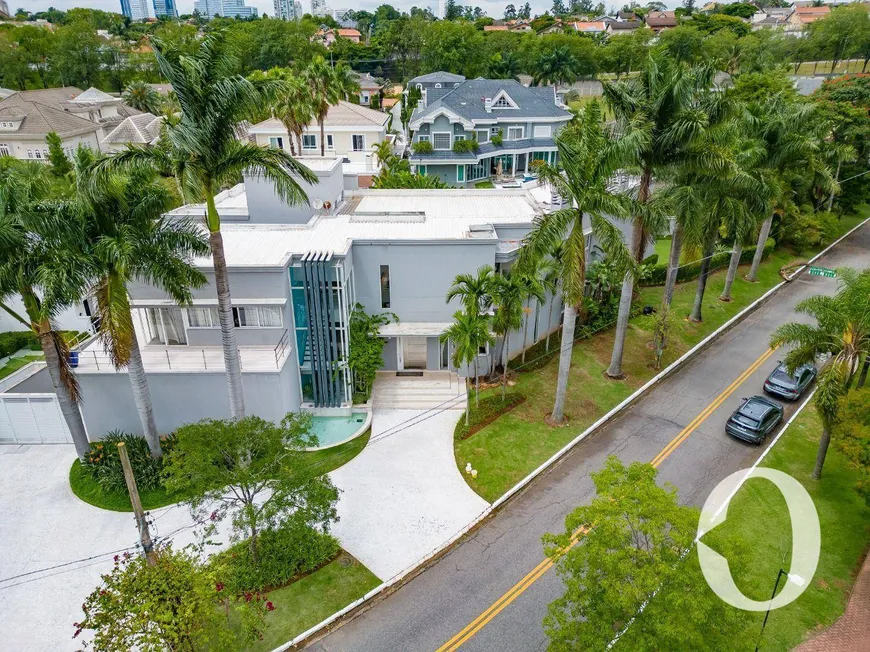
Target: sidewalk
851, 633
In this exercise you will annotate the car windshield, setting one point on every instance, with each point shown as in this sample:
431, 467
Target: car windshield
782, 376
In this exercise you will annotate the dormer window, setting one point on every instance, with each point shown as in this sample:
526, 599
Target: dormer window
9, 125
503, 101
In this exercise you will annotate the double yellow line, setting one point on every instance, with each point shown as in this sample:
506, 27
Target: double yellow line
520, 587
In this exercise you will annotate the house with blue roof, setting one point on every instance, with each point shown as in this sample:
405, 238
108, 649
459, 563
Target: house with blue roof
511, 124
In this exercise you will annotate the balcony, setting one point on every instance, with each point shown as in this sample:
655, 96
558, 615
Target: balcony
188, 359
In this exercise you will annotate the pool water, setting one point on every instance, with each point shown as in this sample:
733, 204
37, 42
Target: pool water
332, 430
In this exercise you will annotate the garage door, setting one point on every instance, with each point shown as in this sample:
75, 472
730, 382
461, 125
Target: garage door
32, 419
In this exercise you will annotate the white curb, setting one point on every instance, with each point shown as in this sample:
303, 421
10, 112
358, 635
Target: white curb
662, 375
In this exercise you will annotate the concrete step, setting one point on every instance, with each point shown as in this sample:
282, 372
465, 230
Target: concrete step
433, 390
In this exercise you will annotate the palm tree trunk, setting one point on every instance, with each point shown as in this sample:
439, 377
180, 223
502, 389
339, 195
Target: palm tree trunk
68, 406
567, 347
732, 272
639, 235
525, 332
476, 384
506, 353
673, 266
142, 399
322, 137
232, 361
831, 196
864, 371
752, 277
550, 320
824, 442
615, 368
702, 279
467, 406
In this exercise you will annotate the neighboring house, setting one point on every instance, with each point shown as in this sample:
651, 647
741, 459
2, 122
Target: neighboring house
769, 22
519, 25
527, 118
438, 79
142, 129
351, 131
496, 28
781, 13
556, 28
369, 87
803, 16
623, 27
658, 21
328, 36
590, 27
86, 118
626, 15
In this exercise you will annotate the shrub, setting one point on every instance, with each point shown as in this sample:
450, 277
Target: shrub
422, 147
490, 409
652, 259
283, 554
690, 271
463, 146
11, 341
807, 230
496, 139
104, 462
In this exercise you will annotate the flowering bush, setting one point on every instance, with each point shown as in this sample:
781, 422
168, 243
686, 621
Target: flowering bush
104, 462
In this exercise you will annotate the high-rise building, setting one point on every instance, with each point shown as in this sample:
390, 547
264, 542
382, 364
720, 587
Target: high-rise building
339, 15
165, 8
4, 8
135, 9
208, 8
441, 9
297, 5
237, 9
319, 8
286, 10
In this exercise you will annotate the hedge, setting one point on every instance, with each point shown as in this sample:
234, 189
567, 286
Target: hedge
491, 408
691, 271
12, 341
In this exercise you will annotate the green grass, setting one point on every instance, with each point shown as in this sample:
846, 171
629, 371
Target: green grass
583, 100
511, 447
14, 364
87, 489
483, 185
311, 599
758, 516
825, 67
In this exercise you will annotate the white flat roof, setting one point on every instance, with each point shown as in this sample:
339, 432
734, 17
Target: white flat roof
380, 215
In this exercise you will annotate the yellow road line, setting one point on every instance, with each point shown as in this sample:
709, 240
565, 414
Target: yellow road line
520, 587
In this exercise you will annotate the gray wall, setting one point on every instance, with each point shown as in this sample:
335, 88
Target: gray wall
420, 276
264, 206
181, 398
390, 354
38, 383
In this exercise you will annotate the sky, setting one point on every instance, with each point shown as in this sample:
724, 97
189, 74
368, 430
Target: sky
494, 9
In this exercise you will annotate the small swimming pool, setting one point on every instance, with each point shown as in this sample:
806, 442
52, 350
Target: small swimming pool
331, 431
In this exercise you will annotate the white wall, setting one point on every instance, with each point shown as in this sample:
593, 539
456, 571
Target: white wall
19, 148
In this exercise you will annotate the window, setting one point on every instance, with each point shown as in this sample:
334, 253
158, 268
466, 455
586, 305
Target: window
494, 130
460, 174
478, 170
270, 317
243, 317
38, 154
483, 136
364, 97
441, 140
543, 131
203, 318
29, 153
423, 138
330, 144
358, 142
502, 103
276, 142
4, 150
385, 286
515, 133
421, 169
458, 137
419, 87
309, 141
483, 350
438, 85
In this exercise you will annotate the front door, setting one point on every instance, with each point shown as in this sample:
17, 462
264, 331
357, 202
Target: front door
412, 354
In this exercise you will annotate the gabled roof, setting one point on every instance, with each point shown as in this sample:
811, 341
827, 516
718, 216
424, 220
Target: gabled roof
589, 26
439, 76
343, 114
811, 14
496, 28
40, 119
348, 32
50, 95
143, 129
624, 26
468, 101
661, 19
367, 82
94, 95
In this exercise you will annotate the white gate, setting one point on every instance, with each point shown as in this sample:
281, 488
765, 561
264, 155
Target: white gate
32, 419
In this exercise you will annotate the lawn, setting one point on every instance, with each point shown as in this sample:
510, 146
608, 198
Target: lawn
757, 515
483, 185
84, 486
824, 67
313, 598
583, 100
14, 364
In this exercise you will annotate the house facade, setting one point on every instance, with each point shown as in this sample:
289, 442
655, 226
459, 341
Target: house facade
526, 119
436, 80
369, 88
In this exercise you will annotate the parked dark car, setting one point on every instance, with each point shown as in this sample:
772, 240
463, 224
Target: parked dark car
790, 386
754, 419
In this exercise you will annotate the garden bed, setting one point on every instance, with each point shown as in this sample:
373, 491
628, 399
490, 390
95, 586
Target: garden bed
491, 408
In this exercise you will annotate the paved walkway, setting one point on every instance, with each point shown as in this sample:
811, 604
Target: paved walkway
851, 633
403, 495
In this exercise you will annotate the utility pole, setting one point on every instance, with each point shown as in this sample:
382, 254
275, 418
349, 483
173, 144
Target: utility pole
141, 523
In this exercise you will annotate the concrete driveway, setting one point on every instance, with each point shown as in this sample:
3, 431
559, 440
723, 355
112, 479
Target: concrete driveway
403, 495
44, 526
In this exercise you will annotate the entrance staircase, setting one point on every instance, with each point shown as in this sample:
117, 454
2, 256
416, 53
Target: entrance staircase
426, 391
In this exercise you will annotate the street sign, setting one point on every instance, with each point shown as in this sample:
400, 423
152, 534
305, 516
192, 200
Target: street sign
823, 271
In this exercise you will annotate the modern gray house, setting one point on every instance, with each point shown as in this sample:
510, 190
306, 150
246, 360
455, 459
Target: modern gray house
524, 119
434, 80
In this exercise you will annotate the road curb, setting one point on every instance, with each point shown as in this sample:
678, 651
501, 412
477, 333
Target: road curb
679, 363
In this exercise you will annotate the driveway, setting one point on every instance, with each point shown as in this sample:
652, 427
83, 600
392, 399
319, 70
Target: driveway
44, 526
403, 495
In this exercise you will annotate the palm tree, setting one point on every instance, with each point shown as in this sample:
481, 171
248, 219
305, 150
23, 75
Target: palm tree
473, 291
559, 66
325, 89
127, 238
295, 109
504, 66
842, 331
40, 260
213, 99
508, 294
142, 97
792, 144
533, 288
345, 79
548, 269
469, 332
588, 158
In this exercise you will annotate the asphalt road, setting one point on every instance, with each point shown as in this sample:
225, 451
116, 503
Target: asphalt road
460, 601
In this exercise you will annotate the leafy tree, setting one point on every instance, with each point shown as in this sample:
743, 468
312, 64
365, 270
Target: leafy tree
127, 239
168, 606
558, 8
684, 43
405, 179
587, 159
842, 330
510, 12
852, 435
455, 47
841, 33
41, 260
740, 9
365, 351
254, 471
142, 96
60, 165
637, 552
77, 56
452, 11
468, 333
525, 12
202, 146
